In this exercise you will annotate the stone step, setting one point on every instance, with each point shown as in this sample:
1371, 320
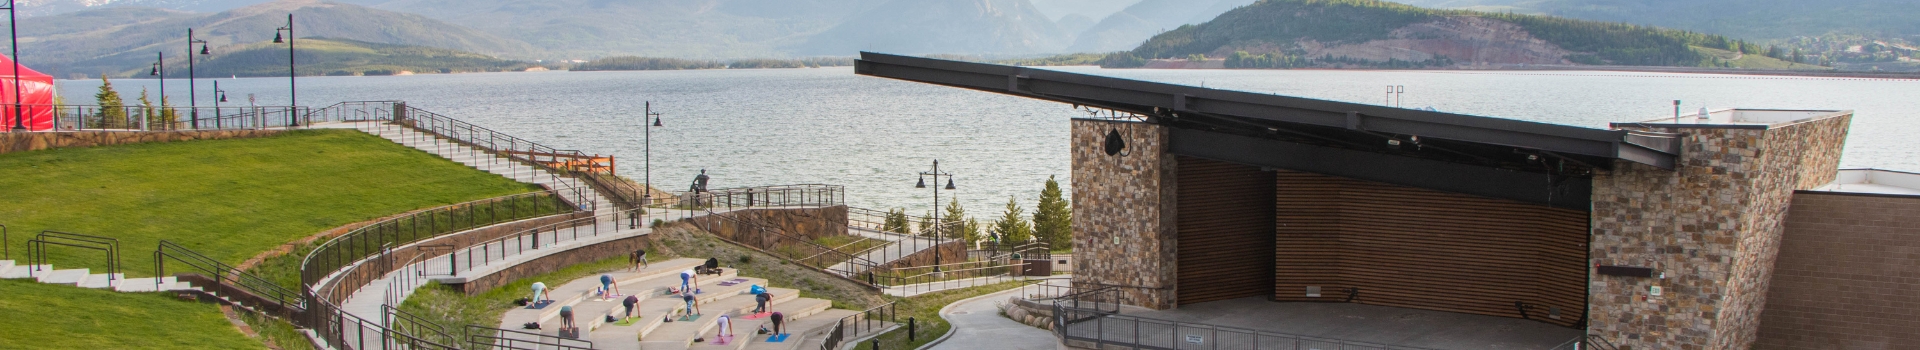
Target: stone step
680, 335
67, 277
653, 310
794, 311
101, 280
804, 331
572, 292
144, 284
5, 265
26, 271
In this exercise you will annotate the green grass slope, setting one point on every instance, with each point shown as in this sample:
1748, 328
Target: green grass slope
324, 56
229, 199
45, 316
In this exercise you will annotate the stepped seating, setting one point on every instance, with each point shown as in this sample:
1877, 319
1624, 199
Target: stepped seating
807, 318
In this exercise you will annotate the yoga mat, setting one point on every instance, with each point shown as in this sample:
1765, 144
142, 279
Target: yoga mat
627, 322
690, 317
722, 340
776, 338
757, 316
540, 304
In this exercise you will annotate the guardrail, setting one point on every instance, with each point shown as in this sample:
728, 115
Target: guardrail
482, 337
1092, 319
158, 118
6, 246
401, 321
343, 330
283, 298
366, 242
471, 256
817, 256
1587, 341
408, 275
861, 323
37, 250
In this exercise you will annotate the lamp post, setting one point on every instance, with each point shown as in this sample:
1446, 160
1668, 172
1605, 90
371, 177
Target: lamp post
218, 97
159, 69
193, 103
936, 174
19, 117
293, 89
646, 196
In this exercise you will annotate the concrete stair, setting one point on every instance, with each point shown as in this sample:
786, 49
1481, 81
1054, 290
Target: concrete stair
84, 279
472, 157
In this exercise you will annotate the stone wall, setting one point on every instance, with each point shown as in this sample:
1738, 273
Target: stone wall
34, 141
1848, 274
950, 252
353, 277
1123, 227
553, 262
808, 223
1712, 227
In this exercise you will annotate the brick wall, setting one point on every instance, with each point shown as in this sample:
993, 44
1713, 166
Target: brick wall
34, 141
1712, 227
1847, 276
1123, 227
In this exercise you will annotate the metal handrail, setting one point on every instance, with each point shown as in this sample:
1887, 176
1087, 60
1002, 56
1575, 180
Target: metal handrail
860, 323
505, 247
851, 262
222, 273
37, 250
155, 118
6, 245
363, 242
334, 326
506, 339
401, 321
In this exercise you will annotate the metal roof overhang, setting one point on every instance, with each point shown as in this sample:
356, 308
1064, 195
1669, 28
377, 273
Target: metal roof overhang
1254, 128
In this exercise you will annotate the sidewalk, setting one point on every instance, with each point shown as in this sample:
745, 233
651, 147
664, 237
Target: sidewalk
977, 324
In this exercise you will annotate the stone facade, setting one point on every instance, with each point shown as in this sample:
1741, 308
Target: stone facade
34, 141
1123, 207
1848, 274
1711, 227
808, 223
553, 262
950, 252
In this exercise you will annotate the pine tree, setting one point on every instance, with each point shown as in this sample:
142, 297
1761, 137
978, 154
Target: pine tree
111, 115
951, 221
146, 109
896, 221
1053, 219
169, 117
1012, 226
971, 231
926, 223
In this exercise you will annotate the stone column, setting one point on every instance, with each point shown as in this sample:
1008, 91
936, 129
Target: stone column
1711, 227
1123, 207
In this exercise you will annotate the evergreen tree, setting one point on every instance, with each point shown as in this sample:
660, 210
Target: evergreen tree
971, 232
169, 117
951, 221
111, 115
896, 221
926, 223
1013, 226
1053, 219
147, 111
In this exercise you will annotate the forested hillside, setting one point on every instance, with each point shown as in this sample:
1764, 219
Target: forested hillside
321, 56
1295, 33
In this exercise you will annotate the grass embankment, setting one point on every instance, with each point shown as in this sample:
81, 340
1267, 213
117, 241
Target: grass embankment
1752, 61
45, 316
925, 310
228, 199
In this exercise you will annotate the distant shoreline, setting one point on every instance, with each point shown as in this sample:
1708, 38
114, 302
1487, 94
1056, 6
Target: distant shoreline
1639, 69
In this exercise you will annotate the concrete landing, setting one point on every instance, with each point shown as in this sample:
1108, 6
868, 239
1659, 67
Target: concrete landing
1373, 324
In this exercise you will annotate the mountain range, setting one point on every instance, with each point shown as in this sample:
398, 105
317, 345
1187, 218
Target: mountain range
95, 36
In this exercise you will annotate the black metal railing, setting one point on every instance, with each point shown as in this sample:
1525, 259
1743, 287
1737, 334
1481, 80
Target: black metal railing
223, 274
37, 250
169, 118
6, 245
869, 321
407, 274
403, 322
367, 241
1091, 319
1587, 342
342, 330
482, 337
461, 259
788, 246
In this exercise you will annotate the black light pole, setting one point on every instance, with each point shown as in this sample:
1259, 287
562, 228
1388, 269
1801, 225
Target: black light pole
936, 174
647, 195
193, 110
293, 89
19, 119
159, 69
218, 97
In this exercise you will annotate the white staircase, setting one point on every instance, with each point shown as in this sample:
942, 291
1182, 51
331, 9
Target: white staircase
475, 157
83, 278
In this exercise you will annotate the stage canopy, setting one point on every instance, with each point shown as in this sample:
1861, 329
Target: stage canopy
35, 98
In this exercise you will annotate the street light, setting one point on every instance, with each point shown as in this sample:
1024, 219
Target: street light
293, 89
193, 103
159, 69
218, 97
646, 197
19, 119
936, 174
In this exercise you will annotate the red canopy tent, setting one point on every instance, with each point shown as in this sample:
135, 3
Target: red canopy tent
36, 97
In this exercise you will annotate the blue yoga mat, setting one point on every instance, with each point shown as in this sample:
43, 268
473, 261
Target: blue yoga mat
540, 304
776, 338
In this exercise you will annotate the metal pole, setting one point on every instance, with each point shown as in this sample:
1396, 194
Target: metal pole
162, 69
193, 112
13, 24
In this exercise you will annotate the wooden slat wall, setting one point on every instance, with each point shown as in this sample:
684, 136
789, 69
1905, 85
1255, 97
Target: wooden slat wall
1225, 228
1417, 248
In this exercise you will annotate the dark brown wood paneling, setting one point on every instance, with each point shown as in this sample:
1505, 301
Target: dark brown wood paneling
1225, 228
1417, 248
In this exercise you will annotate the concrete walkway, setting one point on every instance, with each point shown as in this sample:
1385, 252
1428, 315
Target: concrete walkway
977, 324
901, 247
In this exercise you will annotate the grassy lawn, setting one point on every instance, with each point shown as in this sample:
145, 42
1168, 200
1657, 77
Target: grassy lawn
925, 309
45, 316
229, 199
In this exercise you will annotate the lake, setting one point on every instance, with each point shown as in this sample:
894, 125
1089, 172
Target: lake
827, 125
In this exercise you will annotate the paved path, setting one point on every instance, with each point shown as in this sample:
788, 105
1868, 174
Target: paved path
978, 325
901, 247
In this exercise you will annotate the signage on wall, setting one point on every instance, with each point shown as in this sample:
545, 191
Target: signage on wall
1195, 339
